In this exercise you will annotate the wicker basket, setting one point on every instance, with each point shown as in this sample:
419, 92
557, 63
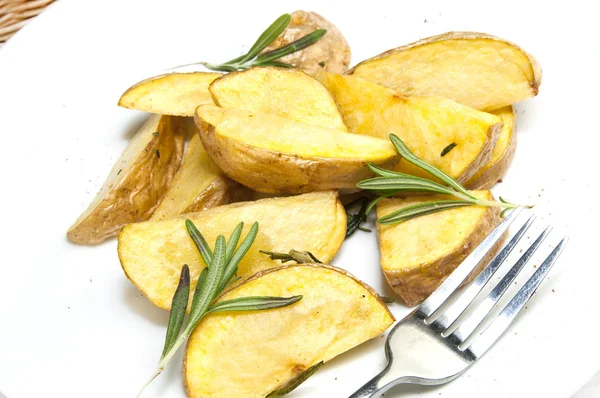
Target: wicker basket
14, 14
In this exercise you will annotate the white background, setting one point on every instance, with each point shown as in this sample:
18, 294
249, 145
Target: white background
71, 325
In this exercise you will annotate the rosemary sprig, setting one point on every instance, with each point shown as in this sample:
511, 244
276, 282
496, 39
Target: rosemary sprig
221, 267
295, 382
388, 183
253, 56
293, 255
354, 220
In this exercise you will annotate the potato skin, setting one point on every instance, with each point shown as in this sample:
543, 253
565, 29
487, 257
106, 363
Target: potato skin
415, 285
223, 190
274, 172
140, 189
332, 49
485, 154
492, 174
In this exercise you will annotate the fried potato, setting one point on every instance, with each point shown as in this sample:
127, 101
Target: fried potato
272, 154
426, 124
198, 185
417, 255
175, 94
250, 354
475, 69
502, 154
330, 53
137, 182
153, 252
284, 92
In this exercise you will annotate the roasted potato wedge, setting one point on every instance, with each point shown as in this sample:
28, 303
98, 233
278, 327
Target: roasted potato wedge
272, 154
198, 185
330, 53
250, 354
290, 93
153, 252
426, 124
137, 183
417, 255
475, 69
175, 94
502, 155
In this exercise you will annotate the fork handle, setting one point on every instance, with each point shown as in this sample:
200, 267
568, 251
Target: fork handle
378, 384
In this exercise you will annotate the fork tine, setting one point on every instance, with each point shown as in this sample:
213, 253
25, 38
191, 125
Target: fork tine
456, 278
483, 309
450, 315
510, 311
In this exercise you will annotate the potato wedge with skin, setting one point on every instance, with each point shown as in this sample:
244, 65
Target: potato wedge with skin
198, 185
153, 252
289, 93
330, 53
502, 155
137, 182
272, 154
426, 124
475, 69
417, 255
175, 94
250, 354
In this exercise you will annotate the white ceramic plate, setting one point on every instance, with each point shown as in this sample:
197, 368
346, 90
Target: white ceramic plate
71, 324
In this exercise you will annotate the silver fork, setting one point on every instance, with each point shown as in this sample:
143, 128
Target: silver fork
429, 346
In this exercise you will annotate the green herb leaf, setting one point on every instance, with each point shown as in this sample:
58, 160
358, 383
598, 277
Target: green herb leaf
210, 285
411, 158
293, 255
234, 240
387, 299
199, 241
266, 38
178, 307
447, 149
421, 209
295, 382
376, 200
355, 220
232, 265
253, 303
199, 287
404, 184
297, 45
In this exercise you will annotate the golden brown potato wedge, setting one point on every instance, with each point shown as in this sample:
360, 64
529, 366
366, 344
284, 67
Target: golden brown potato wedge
474, 69
137, 183
175, 94
272, 154
417, 255
153, 252
198, 185
250, 354
289, 93
502, 154
330, 53
426, 124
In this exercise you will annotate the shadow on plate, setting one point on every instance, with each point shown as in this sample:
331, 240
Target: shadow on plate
134, 125
140, 305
